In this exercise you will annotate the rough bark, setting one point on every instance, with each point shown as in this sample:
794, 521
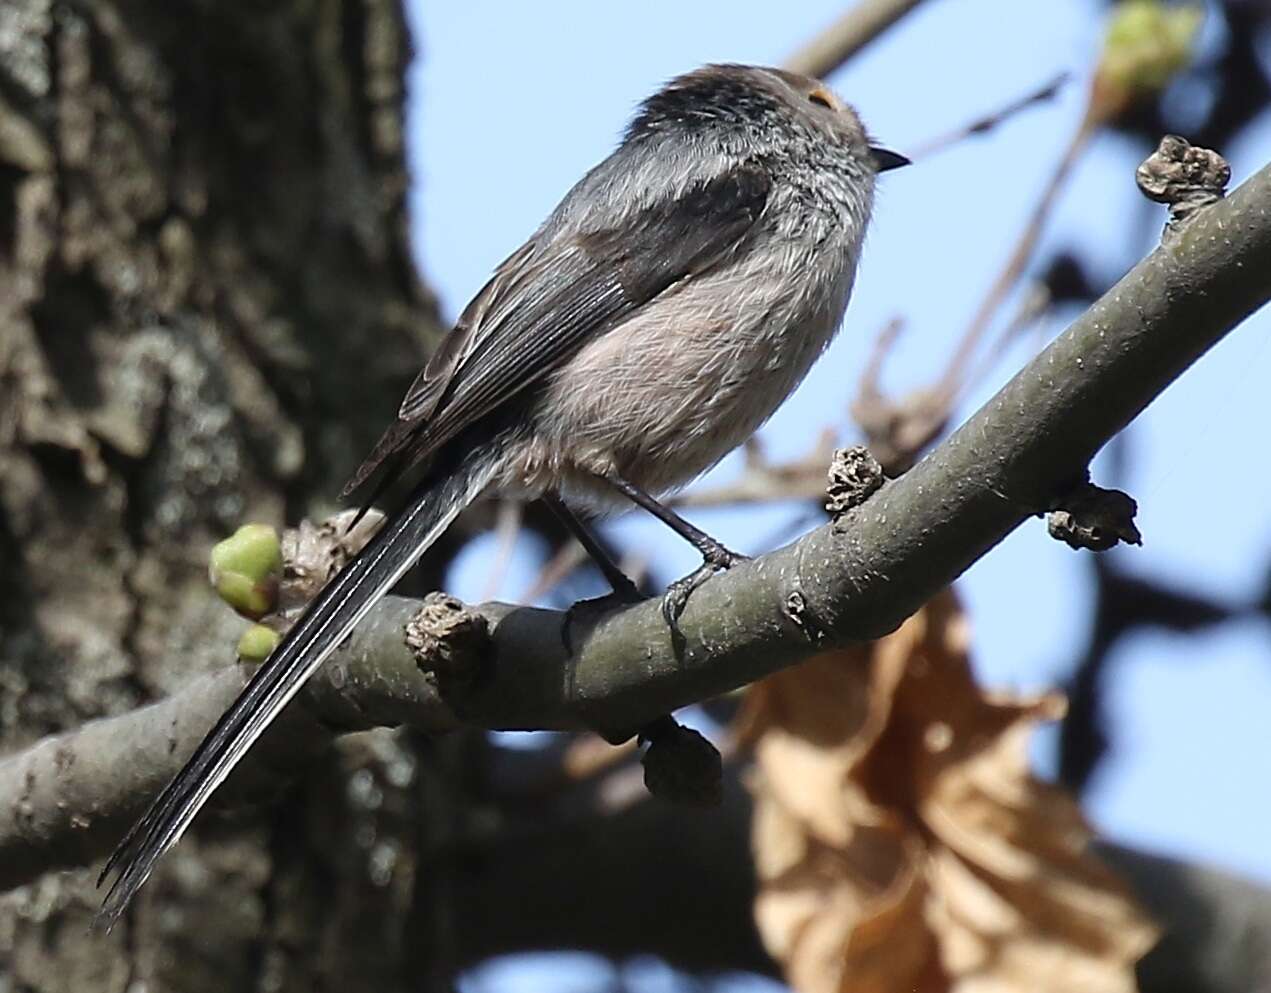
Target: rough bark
207, 309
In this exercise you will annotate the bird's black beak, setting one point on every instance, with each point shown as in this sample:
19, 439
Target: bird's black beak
884, 159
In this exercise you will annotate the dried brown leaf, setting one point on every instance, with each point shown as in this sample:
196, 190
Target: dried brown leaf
901, 842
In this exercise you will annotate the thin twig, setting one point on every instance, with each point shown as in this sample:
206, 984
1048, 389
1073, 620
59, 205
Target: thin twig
762, 481
555, 571
507, 529
848, 35
989, 121
1018, 260
1034, 306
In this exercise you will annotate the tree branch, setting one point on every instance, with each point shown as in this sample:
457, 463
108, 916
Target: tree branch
853, 579
1217, 927
70, 796
528, 877
848, 35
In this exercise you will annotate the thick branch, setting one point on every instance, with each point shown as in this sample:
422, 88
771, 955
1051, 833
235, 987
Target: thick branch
527, 879
1217, 927
853, 579
860, 576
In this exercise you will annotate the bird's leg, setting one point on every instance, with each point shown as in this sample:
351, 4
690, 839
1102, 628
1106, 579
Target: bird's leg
624, 586
714, 555
625, 590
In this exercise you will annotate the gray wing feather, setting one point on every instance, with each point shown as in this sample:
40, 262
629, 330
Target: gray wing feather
426, 391
547, 300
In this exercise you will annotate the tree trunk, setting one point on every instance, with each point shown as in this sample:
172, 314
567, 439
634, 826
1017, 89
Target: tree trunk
207, 311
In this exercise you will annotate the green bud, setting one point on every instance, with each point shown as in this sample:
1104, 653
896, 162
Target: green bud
245, 569
1147, 42
257, 642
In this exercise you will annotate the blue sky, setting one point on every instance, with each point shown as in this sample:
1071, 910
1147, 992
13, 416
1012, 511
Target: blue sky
511, 103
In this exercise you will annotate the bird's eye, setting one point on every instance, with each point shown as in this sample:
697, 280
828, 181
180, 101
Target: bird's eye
821, 99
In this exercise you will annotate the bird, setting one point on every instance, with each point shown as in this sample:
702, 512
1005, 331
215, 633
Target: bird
666, 307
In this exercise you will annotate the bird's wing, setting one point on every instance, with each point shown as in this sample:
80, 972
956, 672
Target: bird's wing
546, 301
425, 392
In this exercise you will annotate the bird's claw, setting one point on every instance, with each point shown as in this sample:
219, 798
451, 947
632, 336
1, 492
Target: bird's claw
715, 558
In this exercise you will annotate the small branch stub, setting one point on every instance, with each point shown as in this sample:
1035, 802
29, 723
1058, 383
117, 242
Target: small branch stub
1183, 177
313, 553
681, 765
854, 476
1094, 518
448, 640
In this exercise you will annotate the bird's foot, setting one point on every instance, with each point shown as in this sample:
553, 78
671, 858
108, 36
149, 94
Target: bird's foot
715, 558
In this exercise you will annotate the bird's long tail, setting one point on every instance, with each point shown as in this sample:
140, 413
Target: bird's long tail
398, 544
